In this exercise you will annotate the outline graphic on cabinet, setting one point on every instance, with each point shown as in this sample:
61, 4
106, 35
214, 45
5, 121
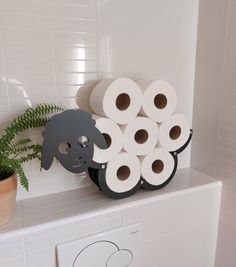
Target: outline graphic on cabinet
123, 256
115, 248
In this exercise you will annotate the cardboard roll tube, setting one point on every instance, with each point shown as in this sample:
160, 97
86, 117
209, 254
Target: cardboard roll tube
83, 95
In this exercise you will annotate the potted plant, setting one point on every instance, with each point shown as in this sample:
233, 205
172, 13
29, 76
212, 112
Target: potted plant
14, 153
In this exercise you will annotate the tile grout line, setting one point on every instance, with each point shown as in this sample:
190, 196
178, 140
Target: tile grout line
52, 50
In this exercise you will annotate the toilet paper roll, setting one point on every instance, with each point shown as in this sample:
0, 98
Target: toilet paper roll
82, 97
114, 137
123, 172
118, 99
140, 136
174, 132
157, 166
159, 99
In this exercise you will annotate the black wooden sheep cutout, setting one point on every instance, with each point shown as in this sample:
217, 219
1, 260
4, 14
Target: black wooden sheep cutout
70, 137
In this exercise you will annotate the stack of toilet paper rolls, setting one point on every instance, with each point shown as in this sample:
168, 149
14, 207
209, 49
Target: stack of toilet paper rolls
142, 132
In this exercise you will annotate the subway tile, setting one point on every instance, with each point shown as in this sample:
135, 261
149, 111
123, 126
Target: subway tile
74, 39
26, 7
73, 25
32, 91
4, 119
67, 90
50, 240
228, 110
47, 264
3, 76
75, 66
227, 144
45, 211
34, 78
18, 261
89, 3
225, 164
26, 22
227, 239
227, 155
29, 65
229, 99
73, 11
4, 106
227, 133
26, 36
28, 51
11, 250
21, 104
15, 223
75, 53
51, 181
77, 194
228, 121
103, 223
67, 102
41, 256
74, 78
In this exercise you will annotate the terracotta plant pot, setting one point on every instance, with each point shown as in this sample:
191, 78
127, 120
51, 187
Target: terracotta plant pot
8, 188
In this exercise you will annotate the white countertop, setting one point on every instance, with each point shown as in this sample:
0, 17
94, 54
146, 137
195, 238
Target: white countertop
65, 207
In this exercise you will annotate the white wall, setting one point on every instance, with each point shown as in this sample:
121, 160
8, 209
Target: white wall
226, 160
213, 148
48, 49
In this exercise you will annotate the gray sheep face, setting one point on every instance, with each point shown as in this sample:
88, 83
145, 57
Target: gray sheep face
70, 137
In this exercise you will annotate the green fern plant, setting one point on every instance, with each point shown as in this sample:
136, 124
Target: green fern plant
14, 153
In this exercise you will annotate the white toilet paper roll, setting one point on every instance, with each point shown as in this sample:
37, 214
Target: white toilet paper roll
123, 172
157, 166
159, 99
140, 136
114, 137
174, 132
82, 97
118, 99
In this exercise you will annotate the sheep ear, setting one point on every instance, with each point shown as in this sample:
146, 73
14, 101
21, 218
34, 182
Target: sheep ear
99, 139
47, 156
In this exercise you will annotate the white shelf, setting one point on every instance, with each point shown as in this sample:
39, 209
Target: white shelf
62, 208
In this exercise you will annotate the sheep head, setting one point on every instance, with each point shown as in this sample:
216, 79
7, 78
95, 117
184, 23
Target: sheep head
70, 137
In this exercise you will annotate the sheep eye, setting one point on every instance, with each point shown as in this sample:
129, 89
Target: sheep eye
64, 148
83, 141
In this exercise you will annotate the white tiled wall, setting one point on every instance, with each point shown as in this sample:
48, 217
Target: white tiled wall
226, 160
214, 147
48, 48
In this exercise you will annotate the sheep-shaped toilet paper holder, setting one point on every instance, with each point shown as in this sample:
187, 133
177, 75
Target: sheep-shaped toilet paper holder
70, 137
